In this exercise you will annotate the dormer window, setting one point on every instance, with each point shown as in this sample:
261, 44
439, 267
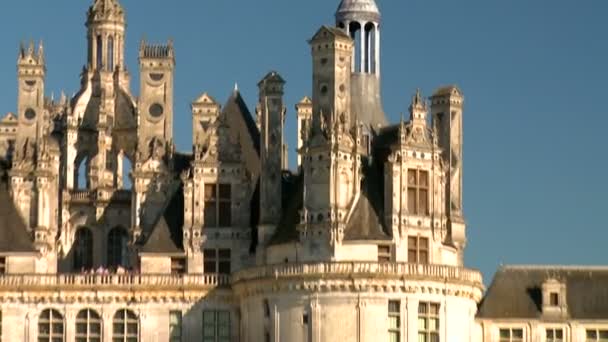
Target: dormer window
554, 301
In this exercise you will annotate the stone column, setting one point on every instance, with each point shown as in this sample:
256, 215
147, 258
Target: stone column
363, 46
377, 57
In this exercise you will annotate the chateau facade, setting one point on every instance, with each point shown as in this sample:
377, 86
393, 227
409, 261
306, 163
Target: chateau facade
364, 242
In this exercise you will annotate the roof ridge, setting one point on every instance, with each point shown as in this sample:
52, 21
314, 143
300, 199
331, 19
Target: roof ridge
556, 267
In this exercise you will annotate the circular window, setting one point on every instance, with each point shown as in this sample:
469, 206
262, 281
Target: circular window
30, 114
324, 89
156, 110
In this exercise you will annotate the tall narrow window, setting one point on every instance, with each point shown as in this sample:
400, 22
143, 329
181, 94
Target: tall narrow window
596, 335
554, 335
88, 326
2, 265
418, 192
83, 249
428, 322
394, 320
175, 326
511, 335
50, 326
418, 250
99, 53
554, 299
218, 205
118, 242
125, 327
111, 53
216, 326
217, 261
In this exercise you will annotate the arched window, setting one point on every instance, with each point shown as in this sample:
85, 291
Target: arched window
88, 326
118, 241
127, 167
81, 178
111, 53
83, 249
50, 326
125, 326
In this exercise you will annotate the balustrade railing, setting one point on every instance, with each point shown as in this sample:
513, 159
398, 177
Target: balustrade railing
112, 280
368, 269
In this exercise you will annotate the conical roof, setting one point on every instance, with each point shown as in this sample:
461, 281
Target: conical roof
358, 10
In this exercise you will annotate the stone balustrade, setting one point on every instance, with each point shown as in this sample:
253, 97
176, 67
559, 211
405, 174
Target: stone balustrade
110, 281
362, 269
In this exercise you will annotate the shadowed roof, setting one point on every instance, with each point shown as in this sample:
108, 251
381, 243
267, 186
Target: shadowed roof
516, 292
14, 237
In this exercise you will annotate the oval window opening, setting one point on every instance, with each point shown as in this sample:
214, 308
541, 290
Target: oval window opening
30, 114
157, 77
156, 110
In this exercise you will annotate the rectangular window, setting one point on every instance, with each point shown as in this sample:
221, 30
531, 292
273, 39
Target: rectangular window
554, 335
418, 192
418, 250
175, 326
596, 335
109, 161
428, 322
216, 326
216, 261
2, 265
178, 265
554, 299
394, 320
511, 335
218, 205
384, 253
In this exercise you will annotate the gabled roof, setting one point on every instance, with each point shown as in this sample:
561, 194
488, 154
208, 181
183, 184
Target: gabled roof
14, 237
366, 221
242, 128
329, 32
206, 99
516, 292
447, 90
9, 118
167, 234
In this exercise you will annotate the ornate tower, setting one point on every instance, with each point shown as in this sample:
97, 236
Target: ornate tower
360, 19
271, 112
157, 63
304, 116
106, 36
331, 165
446, 107
331, 99
31, 72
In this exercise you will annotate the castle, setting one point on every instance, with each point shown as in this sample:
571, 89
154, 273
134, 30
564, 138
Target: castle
364, 242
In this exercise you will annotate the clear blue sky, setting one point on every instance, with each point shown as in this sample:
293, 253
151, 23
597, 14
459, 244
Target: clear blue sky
534, 73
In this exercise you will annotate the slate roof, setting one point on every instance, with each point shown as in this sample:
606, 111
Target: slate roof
243, 129
515, 292
366, 222
167, 234
14, 237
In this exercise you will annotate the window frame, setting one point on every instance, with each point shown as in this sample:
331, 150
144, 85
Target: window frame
127, 318
83, 249
179, 265
217, 198
3, 265
394, 316
216, 326
599, 331
92, 318
54, 317
420, 191
428, 315
218, 263
554, 331
511, 337
118, 255
417, 249
385, 253
179, 326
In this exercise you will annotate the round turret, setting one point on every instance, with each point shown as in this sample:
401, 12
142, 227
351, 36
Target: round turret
358, 10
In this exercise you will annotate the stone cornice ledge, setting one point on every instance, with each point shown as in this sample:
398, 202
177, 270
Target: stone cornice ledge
360, 276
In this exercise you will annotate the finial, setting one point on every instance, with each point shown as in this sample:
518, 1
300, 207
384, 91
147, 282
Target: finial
236, 87
21, 50
30, 49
